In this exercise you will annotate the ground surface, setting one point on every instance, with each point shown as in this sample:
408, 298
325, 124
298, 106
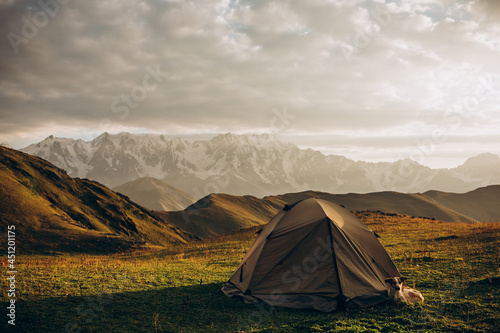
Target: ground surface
455, 266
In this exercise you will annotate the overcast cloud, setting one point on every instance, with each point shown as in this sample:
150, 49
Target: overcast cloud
371, 80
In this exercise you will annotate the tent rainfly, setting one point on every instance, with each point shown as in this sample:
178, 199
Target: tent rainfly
317, 255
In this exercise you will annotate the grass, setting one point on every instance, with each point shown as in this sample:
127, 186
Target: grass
177, 289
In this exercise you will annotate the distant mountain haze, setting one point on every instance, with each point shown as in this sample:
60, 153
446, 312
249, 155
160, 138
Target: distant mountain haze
155, 194
256, 165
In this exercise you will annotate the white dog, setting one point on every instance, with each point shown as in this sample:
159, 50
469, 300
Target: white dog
403, 292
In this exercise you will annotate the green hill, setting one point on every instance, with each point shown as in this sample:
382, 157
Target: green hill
54, 212
481, 204
217, 214
389, 202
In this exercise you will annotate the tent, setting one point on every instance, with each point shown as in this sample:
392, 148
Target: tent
317, 255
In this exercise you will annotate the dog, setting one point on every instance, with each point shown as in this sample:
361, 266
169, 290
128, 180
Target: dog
403, 292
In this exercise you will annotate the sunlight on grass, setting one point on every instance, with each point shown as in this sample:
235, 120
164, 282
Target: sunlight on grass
177, 289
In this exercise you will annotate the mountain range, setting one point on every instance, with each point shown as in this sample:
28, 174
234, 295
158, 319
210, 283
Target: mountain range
53, 212
257, 165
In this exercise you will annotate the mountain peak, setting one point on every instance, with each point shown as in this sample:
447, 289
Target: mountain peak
482, 159
49, 138
486, 156
247, 139
48, 141
104, 137
6, 145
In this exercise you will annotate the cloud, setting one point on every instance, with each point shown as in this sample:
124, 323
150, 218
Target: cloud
364, 66
485, 9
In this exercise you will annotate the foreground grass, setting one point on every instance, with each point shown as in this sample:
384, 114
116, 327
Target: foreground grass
455, 266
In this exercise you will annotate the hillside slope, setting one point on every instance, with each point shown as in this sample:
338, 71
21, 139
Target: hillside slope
389, 202
217, 214
54, 212
155, 194
482, 204
221, 213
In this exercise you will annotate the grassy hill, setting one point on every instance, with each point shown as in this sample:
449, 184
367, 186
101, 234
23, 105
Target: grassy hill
54, 212
155, 194
217, 214
389, 202
454, 265
481, 204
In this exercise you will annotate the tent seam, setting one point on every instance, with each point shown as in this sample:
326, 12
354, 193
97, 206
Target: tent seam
334, 257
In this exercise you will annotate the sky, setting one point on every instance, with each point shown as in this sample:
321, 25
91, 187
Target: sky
370, 80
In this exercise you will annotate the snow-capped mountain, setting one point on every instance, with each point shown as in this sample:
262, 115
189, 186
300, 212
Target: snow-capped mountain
250, 164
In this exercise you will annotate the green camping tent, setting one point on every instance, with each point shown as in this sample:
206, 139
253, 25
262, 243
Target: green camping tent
313, 255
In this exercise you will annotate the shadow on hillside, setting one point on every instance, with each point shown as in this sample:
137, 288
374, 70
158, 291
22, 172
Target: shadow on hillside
178, 309
49, 242
201, 308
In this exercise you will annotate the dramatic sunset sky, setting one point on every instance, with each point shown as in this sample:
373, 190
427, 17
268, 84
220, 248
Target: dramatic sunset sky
371, 80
